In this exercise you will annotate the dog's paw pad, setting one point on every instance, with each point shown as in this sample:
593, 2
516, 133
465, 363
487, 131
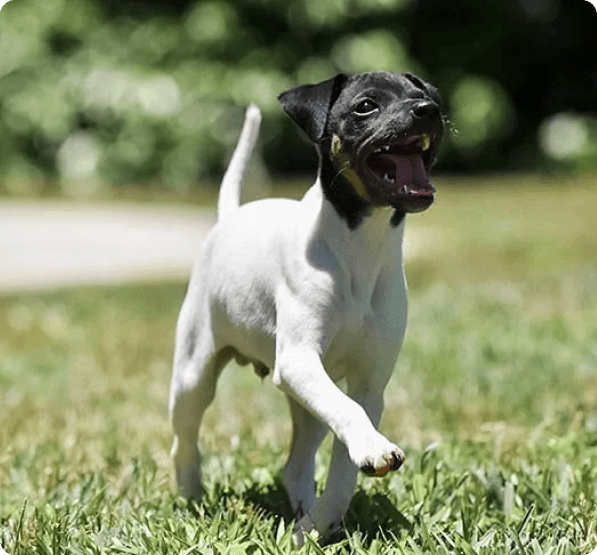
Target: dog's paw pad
397, 460
368, 469
386, 464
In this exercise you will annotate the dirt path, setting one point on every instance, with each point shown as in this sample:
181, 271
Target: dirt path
50, 244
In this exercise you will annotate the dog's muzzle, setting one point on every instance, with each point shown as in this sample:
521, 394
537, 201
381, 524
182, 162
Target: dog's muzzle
401, 164
397, 171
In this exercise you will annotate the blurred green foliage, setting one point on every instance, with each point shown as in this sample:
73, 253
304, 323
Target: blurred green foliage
95, 92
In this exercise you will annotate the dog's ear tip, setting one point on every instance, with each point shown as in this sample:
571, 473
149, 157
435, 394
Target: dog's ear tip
285, 98
308, 105
337, 79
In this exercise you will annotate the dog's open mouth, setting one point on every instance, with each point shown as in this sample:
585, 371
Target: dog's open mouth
404, 166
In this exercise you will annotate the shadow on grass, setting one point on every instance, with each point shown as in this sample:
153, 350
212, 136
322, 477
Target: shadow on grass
375, 515
271, 500
371, 515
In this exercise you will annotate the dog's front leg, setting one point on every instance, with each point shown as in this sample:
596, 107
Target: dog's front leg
299, 372
328, 511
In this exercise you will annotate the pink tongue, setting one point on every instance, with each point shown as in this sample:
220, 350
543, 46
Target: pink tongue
410, 171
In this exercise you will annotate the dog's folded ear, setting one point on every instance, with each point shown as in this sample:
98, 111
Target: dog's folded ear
309, 105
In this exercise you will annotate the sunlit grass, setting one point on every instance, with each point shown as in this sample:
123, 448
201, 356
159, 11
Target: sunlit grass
494, 399
519, 227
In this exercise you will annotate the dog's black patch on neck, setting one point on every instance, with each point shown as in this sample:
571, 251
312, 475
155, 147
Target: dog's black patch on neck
338, 190
349, 205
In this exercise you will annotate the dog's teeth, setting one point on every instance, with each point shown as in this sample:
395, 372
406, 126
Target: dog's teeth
425, 142
386, 177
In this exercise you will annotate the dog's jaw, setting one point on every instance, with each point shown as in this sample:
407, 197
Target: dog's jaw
397, 172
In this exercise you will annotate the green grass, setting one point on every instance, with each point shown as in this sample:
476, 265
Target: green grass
494, 399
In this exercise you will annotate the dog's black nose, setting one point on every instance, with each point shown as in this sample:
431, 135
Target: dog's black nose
424, 109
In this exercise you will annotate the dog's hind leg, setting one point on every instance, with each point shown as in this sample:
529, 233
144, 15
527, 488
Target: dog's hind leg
299, 473
194, 378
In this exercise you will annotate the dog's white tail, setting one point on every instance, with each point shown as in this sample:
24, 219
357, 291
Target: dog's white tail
232, 184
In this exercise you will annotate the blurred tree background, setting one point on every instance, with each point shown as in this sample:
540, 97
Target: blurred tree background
104, 92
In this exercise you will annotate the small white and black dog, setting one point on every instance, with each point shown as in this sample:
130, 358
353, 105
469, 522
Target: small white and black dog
314, 289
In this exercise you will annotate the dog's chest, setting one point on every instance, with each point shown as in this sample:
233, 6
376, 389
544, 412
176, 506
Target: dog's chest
371, 276
371, 316
371, 309
358, 312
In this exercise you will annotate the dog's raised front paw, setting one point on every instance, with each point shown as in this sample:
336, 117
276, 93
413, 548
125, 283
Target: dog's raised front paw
381, 459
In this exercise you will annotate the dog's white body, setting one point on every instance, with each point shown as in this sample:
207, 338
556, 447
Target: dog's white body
288, 285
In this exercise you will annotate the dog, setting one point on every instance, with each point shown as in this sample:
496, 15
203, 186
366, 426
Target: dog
314, 289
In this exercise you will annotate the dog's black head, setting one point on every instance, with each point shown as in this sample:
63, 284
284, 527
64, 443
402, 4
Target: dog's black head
379, 132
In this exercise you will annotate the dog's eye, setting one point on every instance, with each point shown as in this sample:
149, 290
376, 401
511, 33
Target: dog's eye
365, 107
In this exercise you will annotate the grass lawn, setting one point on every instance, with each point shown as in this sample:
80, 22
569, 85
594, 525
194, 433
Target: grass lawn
494, 399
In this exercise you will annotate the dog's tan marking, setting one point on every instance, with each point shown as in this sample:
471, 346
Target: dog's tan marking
336, 146
346, 168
